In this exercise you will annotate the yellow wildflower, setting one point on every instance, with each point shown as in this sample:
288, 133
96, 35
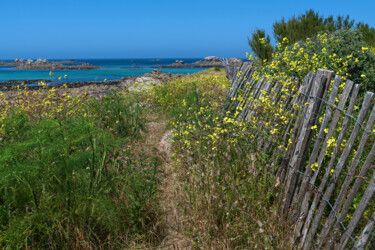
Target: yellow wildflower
314, 166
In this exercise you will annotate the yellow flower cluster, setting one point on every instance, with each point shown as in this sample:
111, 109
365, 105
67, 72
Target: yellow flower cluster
298, 61
42, 103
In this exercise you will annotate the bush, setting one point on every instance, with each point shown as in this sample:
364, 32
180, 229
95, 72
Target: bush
349, 45
344, 52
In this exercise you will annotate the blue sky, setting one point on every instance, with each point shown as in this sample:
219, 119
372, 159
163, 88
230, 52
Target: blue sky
148, 28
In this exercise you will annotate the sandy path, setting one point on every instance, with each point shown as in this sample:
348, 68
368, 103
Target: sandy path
158, 143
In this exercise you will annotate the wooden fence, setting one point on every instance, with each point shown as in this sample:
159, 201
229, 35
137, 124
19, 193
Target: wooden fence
327, 171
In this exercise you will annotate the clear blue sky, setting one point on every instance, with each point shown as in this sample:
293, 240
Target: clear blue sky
148, 28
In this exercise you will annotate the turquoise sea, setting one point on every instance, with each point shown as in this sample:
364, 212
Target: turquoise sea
112, 69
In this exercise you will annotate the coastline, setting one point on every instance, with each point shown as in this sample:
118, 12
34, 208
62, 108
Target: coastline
112, 71
93, 88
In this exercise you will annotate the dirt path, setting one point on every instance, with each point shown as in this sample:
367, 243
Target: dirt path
157, 143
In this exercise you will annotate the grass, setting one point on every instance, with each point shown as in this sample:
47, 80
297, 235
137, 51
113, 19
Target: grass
69, 179
79, 172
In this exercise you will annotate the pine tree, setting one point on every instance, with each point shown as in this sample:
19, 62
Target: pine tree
368, 33
299, 28
261, 45
310, 23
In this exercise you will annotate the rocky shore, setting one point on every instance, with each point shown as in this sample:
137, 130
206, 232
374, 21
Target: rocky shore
95, 88
44, 64
23, 82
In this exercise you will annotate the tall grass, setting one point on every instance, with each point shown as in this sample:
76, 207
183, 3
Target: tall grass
72, 182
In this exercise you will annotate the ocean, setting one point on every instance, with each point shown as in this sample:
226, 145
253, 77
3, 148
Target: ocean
112, 69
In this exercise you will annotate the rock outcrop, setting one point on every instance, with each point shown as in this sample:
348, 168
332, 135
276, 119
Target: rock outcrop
44, 64
235, 60
143, 83
158, 74
211, 59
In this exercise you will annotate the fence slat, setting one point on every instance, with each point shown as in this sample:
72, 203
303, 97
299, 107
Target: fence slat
249, 100
358, 212
257, 91
242, 85
362, 240
331, 185
363, 173
236, 81
345, 186
301, 143
304, 91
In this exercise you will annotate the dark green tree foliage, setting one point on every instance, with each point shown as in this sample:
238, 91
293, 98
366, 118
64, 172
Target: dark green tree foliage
299, 28
310, 23
341, 22
261, 45
368, 33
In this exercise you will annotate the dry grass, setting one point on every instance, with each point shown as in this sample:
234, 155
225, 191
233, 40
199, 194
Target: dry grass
170, 187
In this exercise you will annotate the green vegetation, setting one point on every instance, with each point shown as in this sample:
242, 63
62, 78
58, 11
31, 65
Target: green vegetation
68, 178
344, 52
72, 176
299, 28
307, 26
261, 45
310, 23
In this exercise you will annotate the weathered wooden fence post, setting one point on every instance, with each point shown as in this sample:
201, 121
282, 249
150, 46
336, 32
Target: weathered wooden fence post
301, 145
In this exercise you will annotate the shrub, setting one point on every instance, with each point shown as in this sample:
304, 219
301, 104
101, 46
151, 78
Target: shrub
344, 52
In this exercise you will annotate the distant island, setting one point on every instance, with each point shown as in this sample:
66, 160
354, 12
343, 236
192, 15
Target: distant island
208, 62
44, 64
